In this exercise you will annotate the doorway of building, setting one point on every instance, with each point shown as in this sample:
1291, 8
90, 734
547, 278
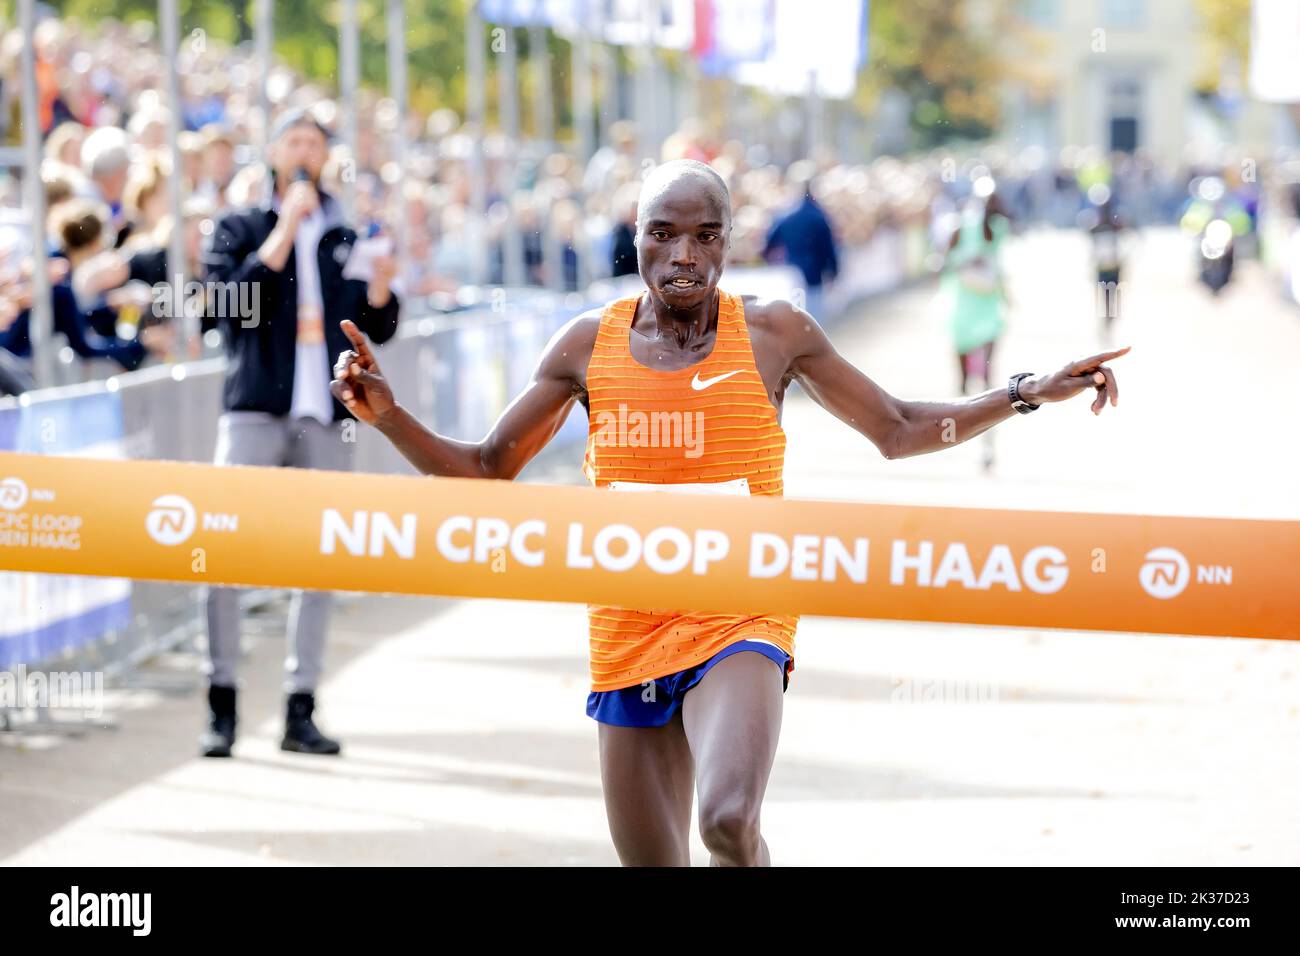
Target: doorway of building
1124, 107
1123, 134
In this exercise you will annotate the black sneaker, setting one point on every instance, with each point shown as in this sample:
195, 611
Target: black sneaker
300, 733
217, 740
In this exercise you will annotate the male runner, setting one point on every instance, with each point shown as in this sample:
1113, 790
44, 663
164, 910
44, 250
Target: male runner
686, 700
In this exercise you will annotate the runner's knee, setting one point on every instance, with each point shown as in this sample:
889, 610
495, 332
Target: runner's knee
730, 831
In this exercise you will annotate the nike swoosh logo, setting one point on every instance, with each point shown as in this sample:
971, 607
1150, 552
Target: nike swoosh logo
699, 384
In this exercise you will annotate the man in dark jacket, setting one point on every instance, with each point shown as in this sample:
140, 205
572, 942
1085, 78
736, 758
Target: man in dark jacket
803, 238
286, 258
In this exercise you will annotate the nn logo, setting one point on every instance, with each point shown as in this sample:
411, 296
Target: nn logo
1166, 573
367, 534
13, 494
172, 520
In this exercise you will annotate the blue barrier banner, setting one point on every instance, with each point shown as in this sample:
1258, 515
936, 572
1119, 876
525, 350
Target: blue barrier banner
44, 615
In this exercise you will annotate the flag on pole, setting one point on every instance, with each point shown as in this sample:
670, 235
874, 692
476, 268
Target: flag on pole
818, 53
527, 13
669, 24
728, 32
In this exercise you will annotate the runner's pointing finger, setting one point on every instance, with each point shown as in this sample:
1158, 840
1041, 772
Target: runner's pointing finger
1095, 361
358, 340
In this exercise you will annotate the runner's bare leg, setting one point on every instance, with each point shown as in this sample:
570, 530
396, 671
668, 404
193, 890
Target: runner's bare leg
988, 364
733, 720
648, 775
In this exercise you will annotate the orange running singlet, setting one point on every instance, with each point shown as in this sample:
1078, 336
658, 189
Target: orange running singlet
709, 423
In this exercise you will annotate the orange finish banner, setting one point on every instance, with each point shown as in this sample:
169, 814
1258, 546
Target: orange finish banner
284, 527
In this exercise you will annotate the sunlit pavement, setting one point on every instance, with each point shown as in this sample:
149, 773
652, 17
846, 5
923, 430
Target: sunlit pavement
465, 739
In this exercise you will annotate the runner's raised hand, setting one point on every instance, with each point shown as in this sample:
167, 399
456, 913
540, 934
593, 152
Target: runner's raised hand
358, 383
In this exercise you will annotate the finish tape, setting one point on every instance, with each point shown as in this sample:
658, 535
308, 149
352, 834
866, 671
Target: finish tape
319, 530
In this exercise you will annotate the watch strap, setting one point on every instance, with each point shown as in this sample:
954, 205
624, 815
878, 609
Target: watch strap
1013, 392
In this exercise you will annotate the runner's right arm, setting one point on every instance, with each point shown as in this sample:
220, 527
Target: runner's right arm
522, 430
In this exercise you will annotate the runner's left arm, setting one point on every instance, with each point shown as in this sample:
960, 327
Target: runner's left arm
901, 428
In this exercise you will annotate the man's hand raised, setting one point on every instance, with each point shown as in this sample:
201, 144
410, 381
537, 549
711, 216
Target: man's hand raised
300, 201
358, 383
1086, 373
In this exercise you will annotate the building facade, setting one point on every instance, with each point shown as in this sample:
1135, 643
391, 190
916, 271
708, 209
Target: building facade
1122, 75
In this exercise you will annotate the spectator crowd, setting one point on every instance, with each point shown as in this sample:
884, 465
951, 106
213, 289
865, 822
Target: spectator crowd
104, 119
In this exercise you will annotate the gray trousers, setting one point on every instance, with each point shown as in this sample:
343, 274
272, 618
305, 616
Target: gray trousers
258, 438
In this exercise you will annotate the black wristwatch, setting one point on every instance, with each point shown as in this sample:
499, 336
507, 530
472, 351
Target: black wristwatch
1013, 390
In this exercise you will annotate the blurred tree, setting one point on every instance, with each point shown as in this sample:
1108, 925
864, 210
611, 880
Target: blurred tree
943, 54
1225, 36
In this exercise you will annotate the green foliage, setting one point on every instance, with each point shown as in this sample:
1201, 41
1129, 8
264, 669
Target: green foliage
948, 67
1225, 37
